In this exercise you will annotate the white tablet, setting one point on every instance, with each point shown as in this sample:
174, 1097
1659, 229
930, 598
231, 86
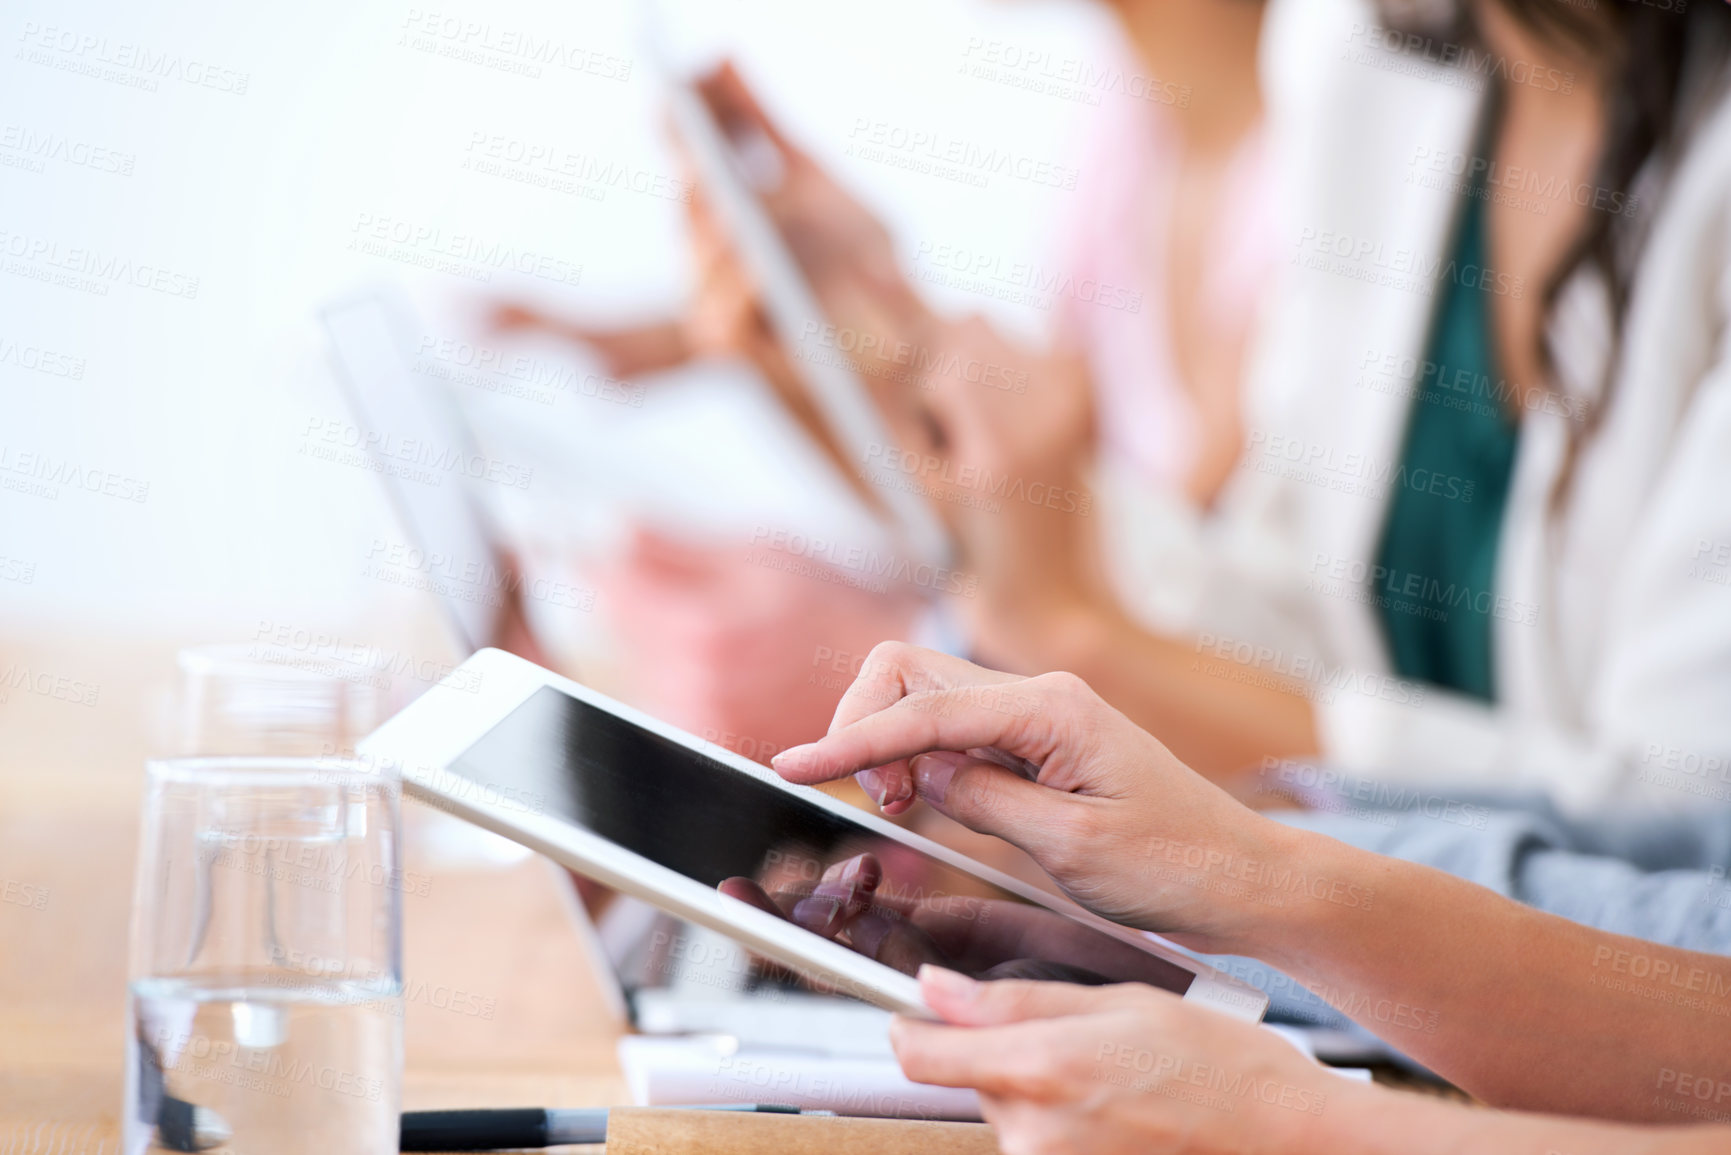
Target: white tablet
660, 814
851, 415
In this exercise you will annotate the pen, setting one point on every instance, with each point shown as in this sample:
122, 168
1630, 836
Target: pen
491, 1130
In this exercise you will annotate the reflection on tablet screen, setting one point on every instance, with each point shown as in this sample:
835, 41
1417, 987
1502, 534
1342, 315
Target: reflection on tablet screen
723, 828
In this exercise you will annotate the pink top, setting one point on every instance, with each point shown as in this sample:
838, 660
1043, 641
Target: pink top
1146, 415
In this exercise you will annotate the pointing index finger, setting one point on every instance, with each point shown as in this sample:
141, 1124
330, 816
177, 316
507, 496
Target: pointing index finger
894, 670
960, 719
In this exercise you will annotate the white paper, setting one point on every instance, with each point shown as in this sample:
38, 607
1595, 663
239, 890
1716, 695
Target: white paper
670, 1072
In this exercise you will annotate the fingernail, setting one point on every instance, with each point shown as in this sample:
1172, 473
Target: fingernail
817, 914
840, 889
904, 790
872, 782
932, 774
851, 870
947, 982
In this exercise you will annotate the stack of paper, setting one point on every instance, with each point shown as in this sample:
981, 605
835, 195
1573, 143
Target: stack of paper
849, 1078
714, 1069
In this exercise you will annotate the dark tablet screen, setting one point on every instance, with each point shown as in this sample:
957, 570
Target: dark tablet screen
718, 826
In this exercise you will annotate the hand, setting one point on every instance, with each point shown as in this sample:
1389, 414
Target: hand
844, 250
1002, 450
998, 435
723, 319
626, 351
1003, 407
1121, 825
992, 403
1063, 1068
835, 238
849, 260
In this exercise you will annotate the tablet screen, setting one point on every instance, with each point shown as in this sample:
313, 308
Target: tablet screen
723, 828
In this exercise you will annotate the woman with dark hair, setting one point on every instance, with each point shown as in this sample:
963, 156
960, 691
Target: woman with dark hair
1483, 528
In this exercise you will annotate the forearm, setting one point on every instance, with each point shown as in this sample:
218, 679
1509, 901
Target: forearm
1046, 603
1518, 1007
1217, 715
1375, 1121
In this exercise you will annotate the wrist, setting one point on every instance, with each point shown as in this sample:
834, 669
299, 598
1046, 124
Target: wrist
1287, 890
1072, 628
1028, 630
1365, 1119
1326, 886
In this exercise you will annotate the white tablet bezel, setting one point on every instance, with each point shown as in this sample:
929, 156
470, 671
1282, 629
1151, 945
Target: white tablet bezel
424, 739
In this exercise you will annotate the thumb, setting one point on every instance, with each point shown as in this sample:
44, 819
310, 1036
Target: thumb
968, 1002
986, 797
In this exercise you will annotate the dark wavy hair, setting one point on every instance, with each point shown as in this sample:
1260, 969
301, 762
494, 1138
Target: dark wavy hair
1661, 64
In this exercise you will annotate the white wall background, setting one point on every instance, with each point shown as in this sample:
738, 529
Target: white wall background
257, 195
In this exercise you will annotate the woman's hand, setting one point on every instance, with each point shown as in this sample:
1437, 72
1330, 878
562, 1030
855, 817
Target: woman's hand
1003, 451
1105, 809
1005, 408
1062, 1068
835, 238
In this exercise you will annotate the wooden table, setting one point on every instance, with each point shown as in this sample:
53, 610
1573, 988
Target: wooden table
71, 780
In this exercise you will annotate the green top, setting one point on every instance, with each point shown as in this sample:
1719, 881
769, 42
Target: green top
1433, 590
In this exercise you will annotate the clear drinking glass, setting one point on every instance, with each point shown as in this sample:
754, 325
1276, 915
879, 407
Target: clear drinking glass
266, 968
276, 700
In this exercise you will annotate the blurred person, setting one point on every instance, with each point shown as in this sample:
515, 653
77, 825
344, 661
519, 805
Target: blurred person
1173, 191
1473, 538
1524, 1010
1481, 531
